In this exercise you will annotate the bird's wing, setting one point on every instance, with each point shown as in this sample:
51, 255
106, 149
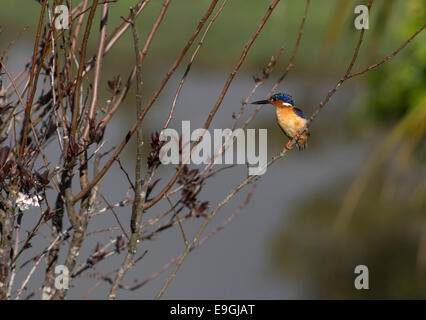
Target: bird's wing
299, 113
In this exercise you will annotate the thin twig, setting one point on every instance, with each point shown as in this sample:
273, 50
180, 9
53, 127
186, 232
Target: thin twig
178, 220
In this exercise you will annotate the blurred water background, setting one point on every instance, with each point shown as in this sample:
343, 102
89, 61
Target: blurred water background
289, 242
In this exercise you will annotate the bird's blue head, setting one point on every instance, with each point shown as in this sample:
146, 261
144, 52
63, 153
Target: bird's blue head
286, 98
277, 98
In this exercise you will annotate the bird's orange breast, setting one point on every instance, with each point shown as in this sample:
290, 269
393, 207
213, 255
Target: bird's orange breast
289, 121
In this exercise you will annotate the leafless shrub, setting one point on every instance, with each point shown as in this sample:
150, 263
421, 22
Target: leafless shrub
68, 111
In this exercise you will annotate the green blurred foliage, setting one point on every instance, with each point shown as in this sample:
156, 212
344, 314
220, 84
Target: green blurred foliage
229, 34
399, 85
322, 262
387, 231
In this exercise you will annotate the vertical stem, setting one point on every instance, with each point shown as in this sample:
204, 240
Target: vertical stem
140, 192
6, 241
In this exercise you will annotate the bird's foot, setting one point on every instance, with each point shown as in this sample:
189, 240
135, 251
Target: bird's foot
287, 146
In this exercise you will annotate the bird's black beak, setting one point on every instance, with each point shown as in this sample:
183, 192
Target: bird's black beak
261, 102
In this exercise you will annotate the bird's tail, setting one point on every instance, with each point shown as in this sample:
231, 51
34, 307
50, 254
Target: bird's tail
302, 142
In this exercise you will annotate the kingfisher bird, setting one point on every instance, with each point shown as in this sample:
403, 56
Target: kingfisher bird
290, 119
